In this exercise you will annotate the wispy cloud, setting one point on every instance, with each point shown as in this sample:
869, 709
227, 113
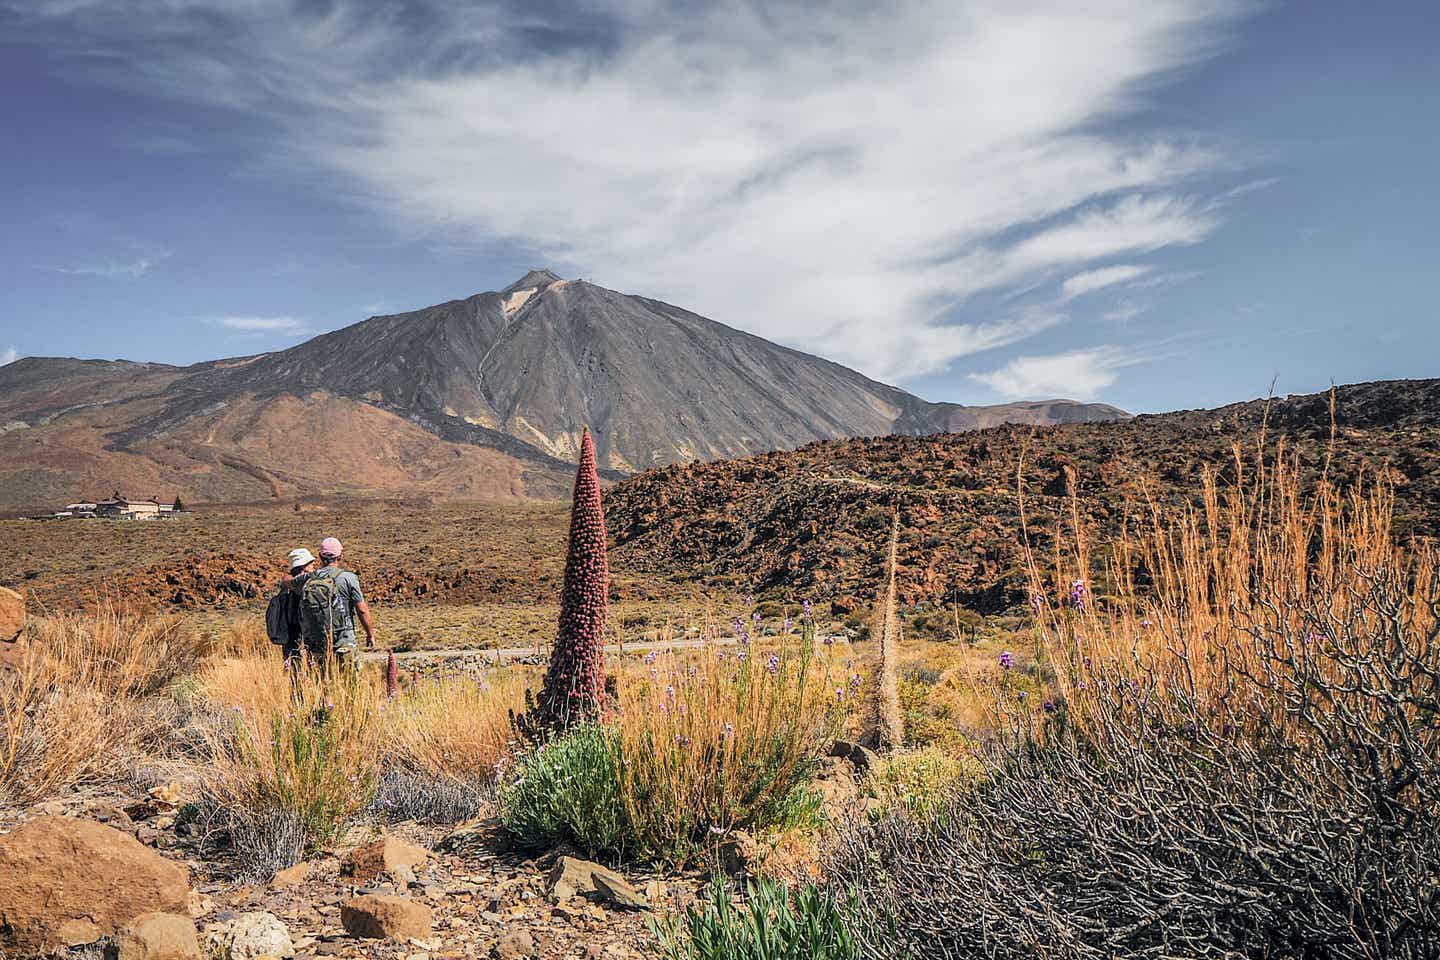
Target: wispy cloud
842, 178
107, 268
1092, 280
1076, 374
8, 355
289, 326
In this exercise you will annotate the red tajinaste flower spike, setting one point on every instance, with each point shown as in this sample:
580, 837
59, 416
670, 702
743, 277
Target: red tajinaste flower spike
575, 680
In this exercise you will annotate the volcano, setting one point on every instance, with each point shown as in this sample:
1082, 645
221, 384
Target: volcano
483, 397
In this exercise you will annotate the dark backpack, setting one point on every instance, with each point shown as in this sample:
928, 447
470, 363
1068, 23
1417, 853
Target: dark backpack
320, 599
282, 620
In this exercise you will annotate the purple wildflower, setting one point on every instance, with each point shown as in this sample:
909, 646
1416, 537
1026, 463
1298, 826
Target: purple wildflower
1007, 660
773, 664
1077, 594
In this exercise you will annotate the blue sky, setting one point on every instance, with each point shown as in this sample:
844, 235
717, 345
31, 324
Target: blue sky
1153, 203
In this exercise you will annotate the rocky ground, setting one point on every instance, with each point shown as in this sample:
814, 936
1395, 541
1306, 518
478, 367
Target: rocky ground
405, 891
811, 523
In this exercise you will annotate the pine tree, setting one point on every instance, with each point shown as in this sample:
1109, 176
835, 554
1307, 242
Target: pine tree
575, 680
889, 731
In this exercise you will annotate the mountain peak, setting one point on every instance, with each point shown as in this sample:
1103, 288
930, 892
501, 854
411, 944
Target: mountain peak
533, 280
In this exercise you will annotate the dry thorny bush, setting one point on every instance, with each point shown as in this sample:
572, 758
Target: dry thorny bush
1242, 759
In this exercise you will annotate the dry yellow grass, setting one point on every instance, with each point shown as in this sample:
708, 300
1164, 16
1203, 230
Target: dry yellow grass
77, 708
457, 729
712, 737
1261, 580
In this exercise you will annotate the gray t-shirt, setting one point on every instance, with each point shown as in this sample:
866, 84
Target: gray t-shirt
348, 597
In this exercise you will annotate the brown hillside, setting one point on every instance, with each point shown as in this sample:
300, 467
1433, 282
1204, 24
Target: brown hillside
811, 523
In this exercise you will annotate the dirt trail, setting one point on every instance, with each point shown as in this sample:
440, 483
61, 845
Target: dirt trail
496, 655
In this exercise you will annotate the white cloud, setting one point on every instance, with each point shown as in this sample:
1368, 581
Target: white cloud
1092, 280
837, 178
291, 326
8, 355
1076, 375
109, 268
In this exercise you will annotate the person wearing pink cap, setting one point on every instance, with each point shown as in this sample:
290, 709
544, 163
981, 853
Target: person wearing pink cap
330, 602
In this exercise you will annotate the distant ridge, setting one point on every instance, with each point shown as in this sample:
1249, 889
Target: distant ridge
480, 397
811, 523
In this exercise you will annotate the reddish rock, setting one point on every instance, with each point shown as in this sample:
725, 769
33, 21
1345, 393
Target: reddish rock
67, 882
12, 615
292, 876
158, 936
387, 856
378, 917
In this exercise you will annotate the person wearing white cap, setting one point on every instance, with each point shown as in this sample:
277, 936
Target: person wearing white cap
330, 602
282, 616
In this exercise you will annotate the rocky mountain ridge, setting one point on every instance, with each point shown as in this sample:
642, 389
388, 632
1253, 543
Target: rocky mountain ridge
480, 397
811, 523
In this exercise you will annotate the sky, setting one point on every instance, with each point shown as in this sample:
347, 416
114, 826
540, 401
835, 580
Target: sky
1151, 203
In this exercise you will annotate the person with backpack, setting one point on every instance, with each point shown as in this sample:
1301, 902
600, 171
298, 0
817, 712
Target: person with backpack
330, 602
282, 615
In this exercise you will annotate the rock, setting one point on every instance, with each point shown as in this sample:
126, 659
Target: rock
387, 855
159, 936
515, 945
571, 876
377, 917
617, 891
65, 881
864, 758
12, 615
292, 876
739, 854
251, 936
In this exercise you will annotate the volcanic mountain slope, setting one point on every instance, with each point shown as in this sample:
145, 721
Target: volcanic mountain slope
811, 523
485, 396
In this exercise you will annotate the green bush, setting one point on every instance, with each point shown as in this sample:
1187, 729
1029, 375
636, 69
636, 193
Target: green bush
568, 790
772, 925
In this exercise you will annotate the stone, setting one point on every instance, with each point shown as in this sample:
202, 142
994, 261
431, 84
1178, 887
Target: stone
515, 945
864, 759
251, 936
739, 854
619, 892
12, 615
66, 881
387, 855
381, 917
571, 876
292, 876
158, 936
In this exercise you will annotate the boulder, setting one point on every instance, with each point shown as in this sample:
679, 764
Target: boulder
381, 917
12, 615
292, 876
387, 855
864, 759
516, 945
739, 854
64, 882
571, 876
250, 936
158, 936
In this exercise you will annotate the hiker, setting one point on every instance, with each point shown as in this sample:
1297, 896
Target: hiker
282, 616
330, 601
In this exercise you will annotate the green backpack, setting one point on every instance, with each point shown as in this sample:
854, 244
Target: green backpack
320, 600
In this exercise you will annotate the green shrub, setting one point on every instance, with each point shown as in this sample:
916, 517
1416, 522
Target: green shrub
568, 790
922, 781
772, 925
